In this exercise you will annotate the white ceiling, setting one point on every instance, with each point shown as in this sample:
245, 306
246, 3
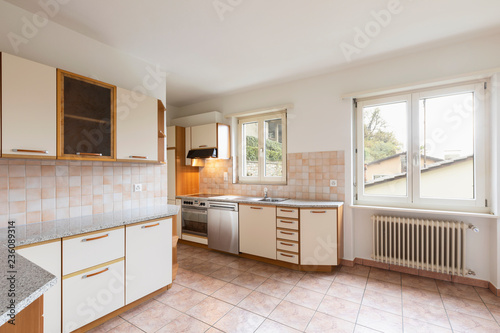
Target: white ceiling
262, 42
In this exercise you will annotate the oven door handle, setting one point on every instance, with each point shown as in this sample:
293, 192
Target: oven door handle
196, 211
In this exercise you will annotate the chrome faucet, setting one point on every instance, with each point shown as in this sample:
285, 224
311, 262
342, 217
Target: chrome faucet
265, 192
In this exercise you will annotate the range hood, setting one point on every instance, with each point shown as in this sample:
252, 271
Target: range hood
202, 153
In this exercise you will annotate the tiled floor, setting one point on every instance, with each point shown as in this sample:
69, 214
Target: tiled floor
214, 292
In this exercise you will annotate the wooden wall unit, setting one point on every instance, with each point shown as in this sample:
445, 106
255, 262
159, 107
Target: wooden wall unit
162, 127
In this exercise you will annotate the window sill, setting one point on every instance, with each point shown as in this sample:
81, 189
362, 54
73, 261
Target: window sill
426, 211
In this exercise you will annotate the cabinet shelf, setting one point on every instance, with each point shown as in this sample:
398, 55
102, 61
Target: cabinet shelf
87, 119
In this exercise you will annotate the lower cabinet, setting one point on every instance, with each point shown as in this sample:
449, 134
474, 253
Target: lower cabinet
48, 257
258, 230
319, 241
148, 258
92, 293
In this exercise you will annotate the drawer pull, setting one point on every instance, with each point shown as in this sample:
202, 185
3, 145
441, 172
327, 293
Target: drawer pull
30, 151
94, 238
286, 255
140, 157
255, 207
318, 211
287, 210
97, 273
202, 146
150, 226
88, 154
283, 221
287, 233
286, 244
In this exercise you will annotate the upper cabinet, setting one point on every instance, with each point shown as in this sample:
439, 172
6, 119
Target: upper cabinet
28, 108
136, 127
214, 135
86, 118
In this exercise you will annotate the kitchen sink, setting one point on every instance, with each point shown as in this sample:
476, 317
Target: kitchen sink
273, 199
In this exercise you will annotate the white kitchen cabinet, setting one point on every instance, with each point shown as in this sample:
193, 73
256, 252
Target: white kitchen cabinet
319, 242
87, 250
29, 108
258, 230
211, 136
136, 126
90, 294
148, 258
48, 257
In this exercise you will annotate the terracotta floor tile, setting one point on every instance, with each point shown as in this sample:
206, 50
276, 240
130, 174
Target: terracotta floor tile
213, 330
384, 287
363, 329
425, 312
108, 326
259, 303
385, 275
270, 326
356, 270
468, 307
138, 309
188, 278
380, 320
422, 296
190, 262
487, 296
249, 280
243, 264
274, 288
232, 293
155, 317
458, 290
351, 280
383, 302
226, 273
125, 328
210, 310
339, 308
292, 315
184, 324
301, 296
208, 285
239, 321
495, 311
345, 291
314, 283
464, 323
206, 268
322, 323
419, 282
183, 300
265, 270
288, 276
329, 276
224, 259
411, 325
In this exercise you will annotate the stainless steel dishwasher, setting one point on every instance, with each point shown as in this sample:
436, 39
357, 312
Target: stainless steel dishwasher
223, 232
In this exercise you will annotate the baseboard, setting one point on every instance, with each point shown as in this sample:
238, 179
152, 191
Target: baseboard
494, 289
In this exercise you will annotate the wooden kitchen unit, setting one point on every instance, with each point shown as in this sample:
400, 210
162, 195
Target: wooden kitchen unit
30, 319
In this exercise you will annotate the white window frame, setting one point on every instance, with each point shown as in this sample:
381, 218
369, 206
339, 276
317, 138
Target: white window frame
261, 178
413, 199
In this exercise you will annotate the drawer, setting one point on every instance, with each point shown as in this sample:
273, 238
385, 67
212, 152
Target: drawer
288, 257
287, 246
92, 249
287, 234
287, 212
92, 293
287, 223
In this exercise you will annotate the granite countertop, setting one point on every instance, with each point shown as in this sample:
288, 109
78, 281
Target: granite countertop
44, 231
255, 201
30, 283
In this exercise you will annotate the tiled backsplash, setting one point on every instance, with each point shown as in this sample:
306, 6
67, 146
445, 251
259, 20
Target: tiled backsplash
41, 190
309, 177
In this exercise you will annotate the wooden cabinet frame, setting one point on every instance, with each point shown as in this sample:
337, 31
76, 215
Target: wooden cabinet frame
61, 74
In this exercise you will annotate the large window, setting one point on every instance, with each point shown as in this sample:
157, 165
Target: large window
262, 149
423, 149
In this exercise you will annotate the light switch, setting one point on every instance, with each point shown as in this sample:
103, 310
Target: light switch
333, 182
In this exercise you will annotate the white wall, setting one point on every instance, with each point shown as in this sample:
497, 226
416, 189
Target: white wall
321, 121
59, 47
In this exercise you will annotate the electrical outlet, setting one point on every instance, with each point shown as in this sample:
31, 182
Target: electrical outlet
333, 182
225, 176
137, 187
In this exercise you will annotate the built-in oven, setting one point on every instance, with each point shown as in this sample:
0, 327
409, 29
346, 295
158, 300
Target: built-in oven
194, 217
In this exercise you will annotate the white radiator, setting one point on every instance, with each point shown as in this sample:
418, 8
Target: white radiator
437, 246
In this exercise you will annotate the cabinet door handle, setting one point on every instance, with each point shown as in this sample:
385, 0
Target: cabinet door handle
88, 154
287, 233
97, 273
286, 244
287, 210
202, 146
150, 226
255, 207
318, 211
286, 255
290, 222
137, 156
94, 238
30, 151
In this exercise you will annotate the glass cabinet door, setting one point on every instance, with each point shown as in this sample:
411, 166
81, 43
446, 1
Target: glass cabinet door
86, 118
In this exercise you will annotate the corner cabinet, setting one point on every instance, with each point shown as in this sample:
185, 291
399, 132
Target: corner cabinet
214, 135
86, 117
28, 108
136, 127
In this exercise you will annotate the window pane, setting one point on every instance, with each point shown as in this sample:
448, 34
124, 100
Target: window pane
250, 149
385, 149
273, 148
447, 147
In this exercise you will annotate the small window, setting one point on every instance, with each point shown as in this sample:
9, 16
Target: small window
423, 149
262, 149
